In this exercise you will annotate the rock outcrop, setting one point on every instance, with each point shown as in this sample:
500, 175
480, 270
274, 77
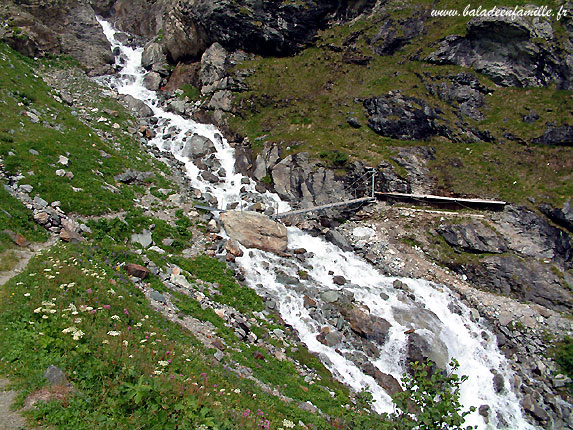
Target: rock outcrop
57, 27
511, 51
556, 136
474, 237
526, 280
255, 230
268, 28
403, 117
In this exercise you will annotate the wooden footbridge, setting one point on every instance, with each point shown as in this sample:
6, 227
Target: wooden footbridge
327, 206
374, 195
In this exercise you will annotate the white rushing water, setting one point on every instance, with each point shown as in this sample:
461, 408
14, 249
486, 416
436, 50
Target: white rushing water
453, 333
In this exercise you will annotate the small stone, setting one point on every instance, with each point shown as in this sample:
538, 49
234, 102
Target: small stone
219, 355
233, 248
158, 297
213, 227
17, 238
167, 241
330, 296
143, 238
70, 236
26, 188
55, 376
42, 218
339, 280
33, 152
279, 333
69, 175
137, 270
64, 161
157, 249
60, 172
308, 302
299, 251
38, 201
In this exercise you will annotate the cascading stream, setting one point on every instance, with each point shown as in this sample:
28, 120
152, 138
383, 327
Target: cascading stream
434, 312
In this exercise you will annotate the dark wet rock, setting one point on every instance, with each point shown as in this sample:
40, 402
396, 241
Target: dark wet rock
403, 117
421, 348
498, 383
556, 136
338, 239
366, 325
512, 52
386, 381
563, 216
474, 237
339, 280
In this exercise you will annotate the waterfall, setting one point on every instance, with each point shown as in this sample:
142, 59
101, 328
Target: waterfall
432, 310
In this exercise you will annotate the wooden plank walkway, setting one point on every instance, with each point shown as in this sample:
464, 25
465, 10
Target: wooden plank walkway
441, 199
327, 206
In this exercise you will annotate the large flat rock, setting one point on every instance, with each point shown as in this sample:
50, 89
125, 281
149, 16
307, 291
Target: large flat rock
255, 230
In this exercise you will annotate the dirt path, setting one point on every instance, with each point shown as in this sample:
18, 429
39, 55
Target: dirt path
9, 420
12, 420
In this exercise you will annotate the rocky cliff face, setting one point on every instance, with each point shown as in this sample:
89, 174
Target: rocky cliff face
57, 26
511, 51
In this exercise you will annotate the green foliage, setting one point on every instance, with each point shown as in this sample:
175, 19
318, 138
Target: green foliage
131, 368
212, 270
337, 158
430, 400
191, 92
564, 356
60, 131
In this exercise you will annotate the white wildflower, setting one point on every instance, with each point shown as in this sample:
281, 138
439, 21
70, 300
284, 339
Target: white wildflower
115, 317
77, 335
163, 363
113, 333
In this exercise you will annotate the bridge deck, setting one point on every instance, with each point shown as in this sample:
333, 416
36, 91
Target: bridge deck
327, 206
443, 199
